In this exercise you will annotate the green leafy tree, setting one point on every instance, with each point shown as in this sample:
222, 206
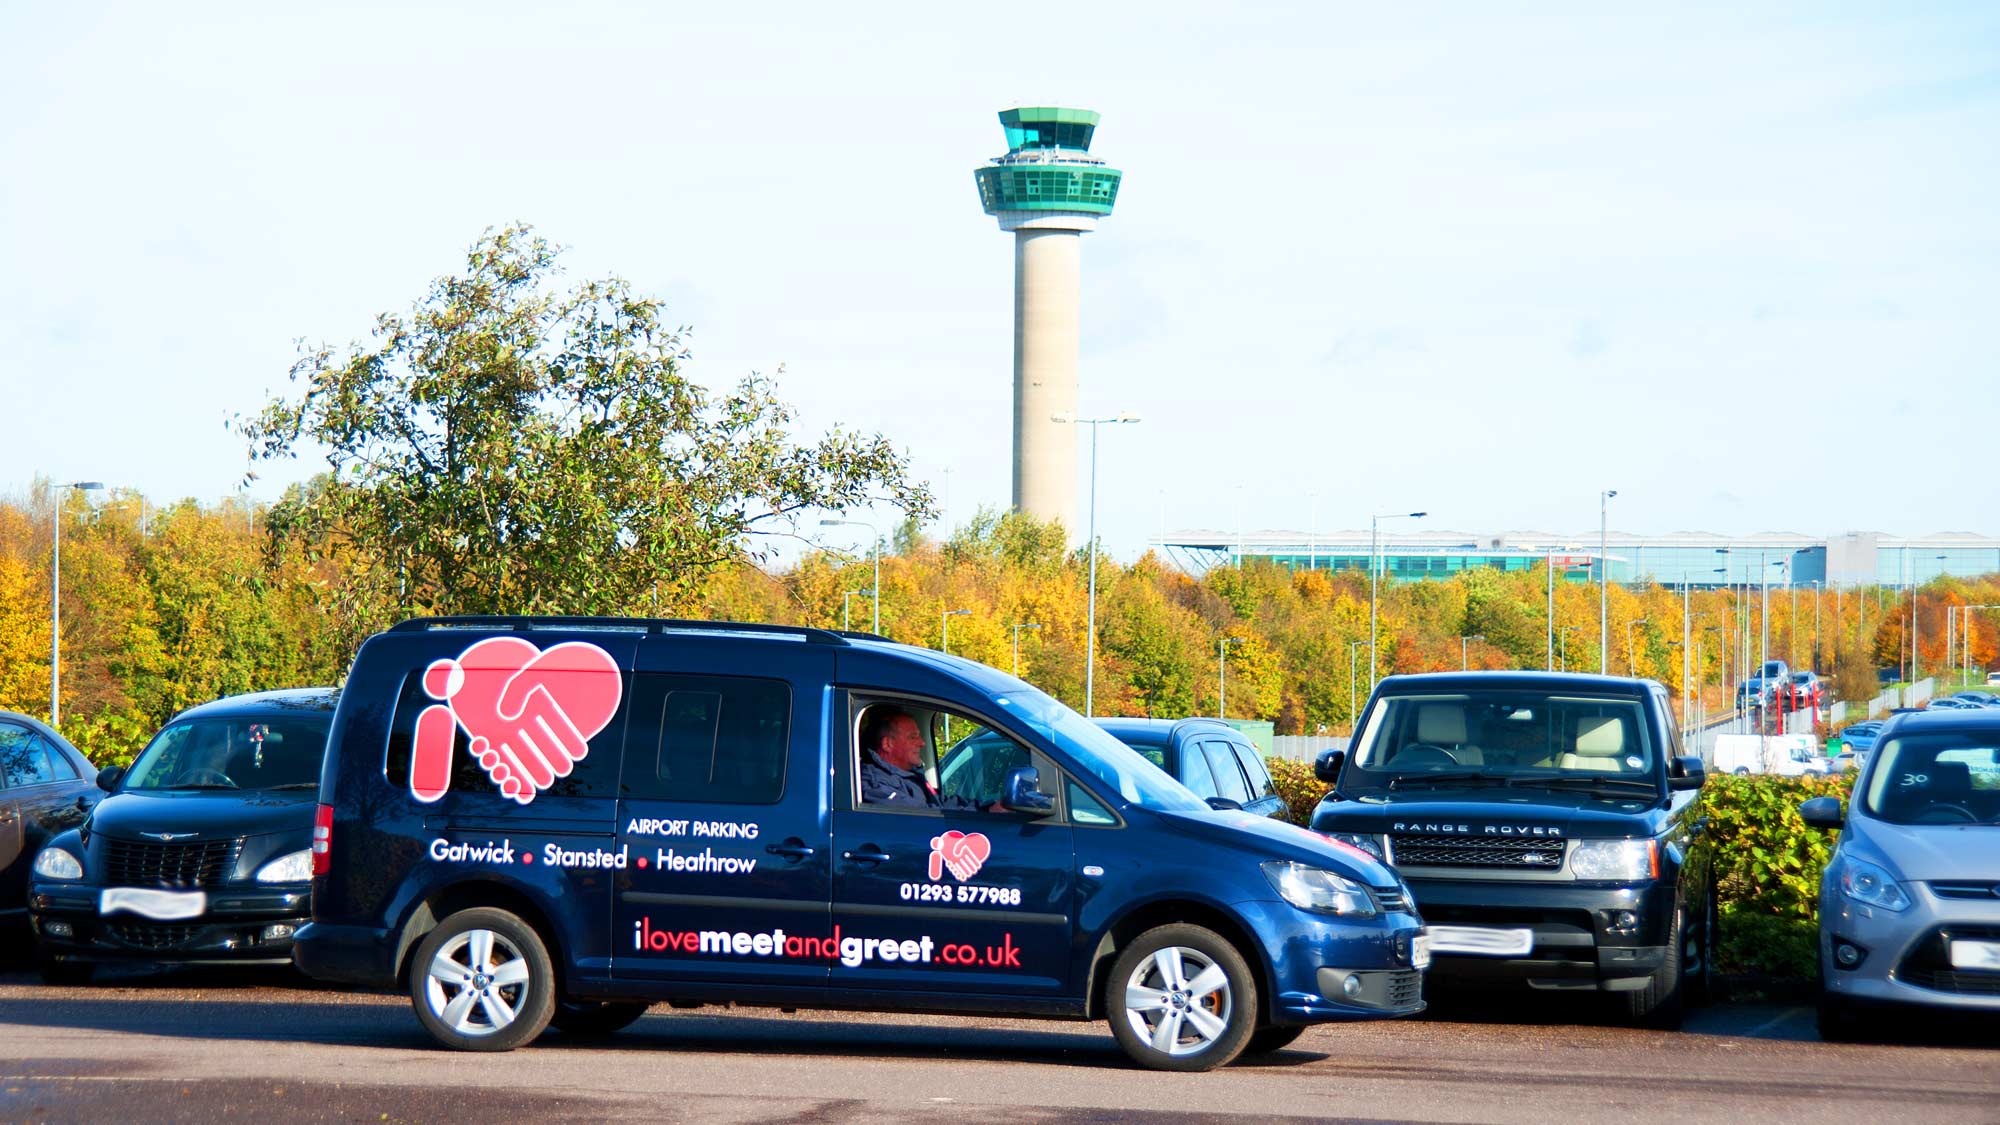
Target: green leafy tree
508, 445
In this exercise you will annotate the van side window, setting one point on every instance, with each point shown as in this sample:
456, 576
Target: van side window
595, 775
717, 739
1086, 809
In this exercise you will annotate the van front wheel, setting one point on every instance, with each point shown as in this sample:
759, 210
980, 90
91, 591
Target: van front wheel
1184, 999
482, 981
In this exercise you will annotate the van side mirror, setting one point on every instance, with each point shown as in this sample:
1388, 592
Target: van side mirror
1822, 812
1326, 767
109, 777
1223, 804
1686, 773
1022, 792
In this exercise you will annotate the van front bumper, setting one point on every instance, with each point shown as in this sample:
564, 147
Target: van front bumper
1325, 968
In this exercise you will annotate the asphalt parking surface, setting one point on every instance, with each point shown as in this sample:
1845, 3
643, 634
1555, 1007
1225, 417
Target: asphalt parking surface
198, 1045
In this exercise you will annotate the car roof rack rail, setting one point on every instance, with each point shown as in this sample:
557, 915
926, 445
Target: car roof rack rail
657, 625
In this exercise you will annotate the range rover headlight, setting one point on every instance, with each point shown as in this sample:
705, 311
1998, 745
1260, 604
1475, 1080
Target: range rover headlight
1318, 890
1367, 841
1618, 861
293, 867
55, 863
1867, 883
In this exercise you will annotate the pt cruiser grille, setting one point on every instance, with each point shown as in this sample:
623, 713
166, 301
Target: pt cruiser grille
152, 935
134, 864
1478, 851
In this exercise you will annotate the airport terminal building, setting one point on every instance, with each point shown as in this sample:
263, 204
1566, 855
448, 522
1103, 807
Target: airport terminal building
1701, 559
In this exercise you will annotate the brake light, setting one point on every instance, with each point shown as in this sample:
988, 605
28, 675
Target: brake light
322, 839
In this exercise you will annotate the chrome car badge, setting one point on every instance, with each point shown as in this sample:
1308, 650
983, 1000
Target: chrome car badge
169, 837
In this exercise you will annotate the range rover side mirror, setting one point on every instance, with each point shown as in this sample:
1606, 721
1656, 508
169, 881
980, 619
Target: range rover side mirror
109, 777
1022, 792
1686, 773
1822, 812
1326, 767
1223, 804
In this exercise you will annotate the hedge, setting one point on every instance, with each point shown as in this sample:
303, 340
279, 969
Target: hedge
1767, 863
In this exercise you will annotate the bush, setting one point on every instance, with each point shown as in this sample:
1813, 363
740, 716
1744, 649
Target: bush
1767, 863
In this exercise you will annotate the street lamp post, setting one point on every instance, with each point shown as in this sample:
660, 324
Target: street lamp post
877, 537
1630, 668
1222, 677
1549, 661
1464, 659
59, 492
846, 597
1604, 580
1374, 571
1353, 650
1090, 612
944, 642
1017, 644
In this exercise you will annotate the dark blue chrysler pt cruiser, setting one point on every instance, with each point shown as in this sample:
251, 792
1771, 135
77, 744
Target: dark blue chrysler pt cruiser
527, 821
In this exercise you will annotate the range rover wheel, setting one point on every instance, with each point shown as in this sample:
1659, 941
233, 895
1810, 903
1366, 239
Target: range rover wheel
1662, 1003
1265, 1040
482, 981
1182, 999
594, 1017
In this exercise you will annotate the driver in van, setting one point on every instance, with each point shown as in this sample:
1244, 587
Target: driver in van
892, 763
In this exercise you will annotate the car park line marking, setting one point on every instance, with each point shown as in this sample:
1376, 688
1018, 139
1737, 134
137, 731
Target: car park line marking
1758, 1031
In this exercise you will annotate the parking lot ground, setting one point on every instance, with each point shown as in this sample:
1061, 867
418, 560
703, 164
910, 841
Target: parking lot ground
196, 1045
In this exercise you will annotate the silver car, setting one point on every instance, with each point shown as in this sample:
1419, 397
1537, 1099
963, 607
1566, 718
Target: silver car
1909, 908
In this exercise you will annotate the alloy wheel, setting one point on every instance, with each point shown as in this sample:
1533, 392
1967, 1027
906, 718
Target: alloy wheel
1178, 1000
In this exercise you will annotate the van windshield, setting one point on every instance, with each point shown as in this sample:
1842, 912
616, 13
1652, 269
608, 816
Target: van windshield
1100, 754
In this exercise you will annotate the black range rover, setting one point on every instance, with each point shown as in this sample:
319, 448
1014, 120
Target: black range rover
202, 850
1546, 823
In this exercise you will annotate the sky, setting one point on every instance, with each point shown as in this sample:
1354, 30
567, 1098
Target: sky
1742, 266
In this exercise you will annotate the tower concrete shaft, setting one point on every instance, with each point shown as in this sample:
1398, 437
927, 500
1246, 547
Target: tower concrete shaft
1047, 191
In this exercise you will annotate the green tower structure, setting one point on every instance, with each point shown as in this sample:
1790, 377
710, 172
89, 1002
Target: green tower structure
1048, 191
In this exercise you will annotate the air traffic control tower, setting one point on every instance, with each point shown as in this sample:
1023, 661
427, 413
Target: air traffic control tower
1048, 190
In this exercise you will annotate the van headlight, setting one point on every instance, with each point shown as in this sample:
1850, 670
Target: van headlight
1862, 881
1367, 841
55, 863
293, 867
1619, 861
1317, 890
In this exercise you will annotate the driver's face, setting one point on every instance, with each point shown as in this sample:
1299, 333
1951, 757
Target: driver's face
902, 745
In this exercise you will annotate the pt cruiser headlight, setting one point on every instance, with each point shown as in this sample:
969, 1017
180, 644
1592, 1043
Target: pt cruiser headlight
296, 867
1310, 888
1863, 882
1620, 861
55, 863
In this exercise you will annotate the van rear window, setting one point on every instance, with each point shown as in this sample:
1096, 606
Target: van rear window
719, 739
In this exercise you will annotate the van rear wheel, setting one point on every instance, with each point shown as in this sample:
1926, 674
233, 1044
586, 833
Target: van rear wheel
1184, 999
482, 981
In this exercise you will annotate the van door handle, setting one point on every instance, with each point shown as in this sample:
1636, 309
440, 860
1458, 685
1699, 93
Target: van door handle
793, 849
868, 853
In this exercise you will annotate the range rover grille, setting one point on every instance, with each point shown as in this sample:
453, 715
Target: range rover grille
1478, 851
134, 863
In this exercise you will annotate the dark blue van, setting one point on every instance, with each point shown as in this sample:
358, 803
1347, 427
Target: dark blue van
527, 821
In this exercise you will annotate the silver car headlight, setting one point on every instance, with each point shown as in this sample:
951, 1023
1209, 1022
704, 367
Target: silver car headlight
1868, 883
1368, 842
55, 863
1318, 890
294, 867
1621, 861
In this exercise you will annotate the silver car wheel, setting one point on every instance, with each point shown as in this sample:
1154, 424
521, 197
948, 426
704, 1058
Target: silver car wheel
1179, 1001
475, 983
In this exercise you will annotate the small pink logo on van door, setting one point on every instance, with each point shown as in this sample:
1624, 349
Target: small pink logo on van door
961, 853
530, 713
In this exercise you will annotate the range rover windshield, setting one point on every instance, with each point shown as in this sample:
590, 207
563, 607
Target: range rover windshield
1506, 738
239, 753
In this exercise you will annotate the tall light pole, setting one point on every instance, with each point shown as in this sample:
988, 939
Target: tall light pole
1222, 677
1464, 657
847, 597
1630, 670
1550, 661
1090, 612
1374, 572
1017, 644
876, 536
60, 493
1353, 650
944, 642
1604, 580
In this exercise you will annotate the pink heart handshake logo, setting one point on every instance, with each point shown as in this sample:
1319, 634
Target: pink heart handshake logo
962, 853
529, 714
